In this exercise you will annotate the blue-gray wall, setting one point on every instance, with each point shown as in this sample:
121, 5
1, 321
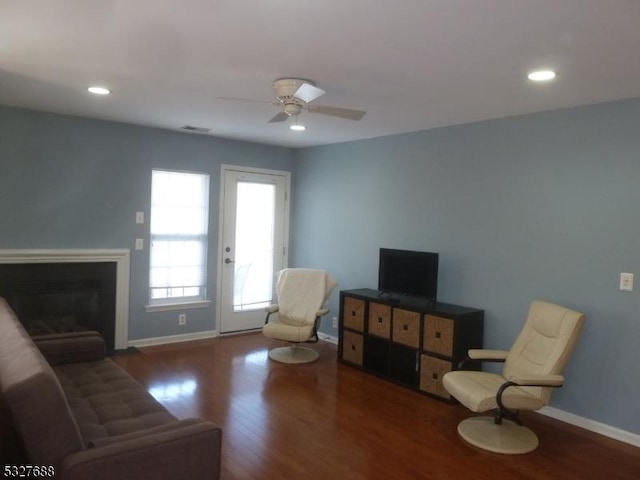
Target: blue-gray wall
67, 182
538, 206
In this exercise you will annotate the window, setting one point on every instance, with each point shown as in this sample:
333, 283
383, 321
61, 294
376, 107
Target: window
179, 230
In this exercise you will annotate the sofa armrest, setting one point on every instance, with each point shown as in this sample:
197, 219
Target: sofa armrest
59, 349
191, 450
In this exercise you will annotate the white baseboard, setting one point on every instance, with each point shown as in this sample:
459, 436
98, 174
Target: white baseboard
185, 337
592, 425
328, 338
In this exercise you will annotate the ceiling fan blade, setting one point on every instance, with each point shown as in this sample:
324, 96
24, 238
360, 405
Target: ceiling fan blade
234, 99
338, 112
279, 117
308, 93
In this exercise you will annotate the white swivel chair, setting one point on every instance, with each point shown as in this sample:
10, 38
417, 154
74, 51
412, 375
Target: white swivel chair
532, 368
301, 293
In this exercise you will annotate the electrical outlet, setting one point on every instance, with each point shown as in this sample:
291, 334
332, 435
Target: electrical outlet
335, 322
182, 319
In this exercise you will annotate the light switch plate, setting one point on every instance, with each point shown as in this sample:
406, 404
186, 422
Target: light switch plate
139, 218
626, 282
139, 243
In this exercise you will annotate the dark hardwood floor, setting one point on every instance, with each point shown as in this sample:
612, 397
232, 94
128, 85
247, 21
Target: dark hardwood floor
327, 421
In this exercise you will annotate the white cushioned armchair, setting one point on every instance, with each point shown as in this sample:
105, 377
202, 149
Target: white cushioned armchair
302, 293
532, 368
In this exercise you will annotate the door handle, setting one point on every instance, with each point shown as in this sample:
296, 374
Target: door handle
228, 261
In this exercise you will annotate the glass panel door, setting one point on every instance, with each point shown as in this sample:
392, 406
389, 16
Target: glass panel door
253, 244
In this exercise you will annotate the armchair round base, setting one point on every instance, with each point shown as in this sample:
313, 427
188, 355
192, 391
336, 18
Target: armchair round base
508, 438
293, 354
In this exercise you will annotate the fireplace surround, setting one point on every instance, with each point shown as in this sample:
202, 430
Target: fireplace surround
70, 290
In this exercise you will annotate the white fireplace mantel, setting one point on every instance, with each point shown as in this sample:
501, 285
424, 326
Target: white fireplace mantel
119, 256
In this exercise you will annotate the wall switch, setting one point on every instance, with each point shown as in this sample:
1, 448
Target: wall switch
626, 282
139, 243
335, 322
139, 218
182, 319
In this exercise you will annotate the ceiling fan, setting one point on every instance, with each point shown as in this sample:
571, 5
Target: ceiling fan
295, 94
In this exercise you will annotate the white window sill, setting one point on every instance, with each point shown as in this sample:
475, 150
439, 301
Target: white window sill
169, 307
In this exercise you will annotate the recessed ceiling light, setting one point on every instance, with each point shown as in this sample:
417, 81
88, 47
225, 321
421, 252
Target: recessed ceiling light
542, 75
297, 128
99, 90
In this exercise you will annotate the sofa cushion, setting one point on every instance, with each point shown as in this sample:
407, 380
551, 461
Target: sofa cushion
71, 347
106, 402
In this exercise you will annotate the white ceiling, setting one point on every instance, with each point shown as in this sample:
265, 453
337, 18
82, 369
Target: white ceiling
411, 64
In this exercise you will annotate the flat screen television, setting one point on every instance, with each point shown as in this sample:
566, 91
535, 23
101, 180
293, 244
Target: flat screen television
407, 272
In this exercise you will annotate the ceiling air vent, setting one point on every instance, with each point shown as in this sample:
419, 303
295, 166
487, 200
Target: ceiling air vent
191, 128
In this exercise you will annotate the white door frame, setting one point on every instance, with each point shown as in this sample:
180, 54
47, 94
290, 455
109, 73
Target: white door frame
220, 254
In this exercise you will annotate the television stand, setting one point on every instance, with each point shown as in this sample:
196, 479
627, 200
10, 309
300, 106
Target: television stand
410, 341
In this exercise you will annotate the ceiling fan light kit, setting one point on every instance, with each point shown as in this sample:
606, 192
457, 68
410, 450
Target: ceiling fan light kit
96, 90
542, 75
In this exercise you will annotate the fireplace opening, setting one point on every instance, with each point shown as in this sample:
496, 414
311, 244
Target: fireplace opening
62, 297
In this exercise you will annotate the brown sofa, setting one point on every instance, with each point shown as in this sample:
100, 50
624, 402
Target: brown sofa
64, 405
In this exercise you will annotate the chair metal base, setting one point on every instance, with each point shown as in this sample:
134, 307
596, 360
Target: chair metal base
508, 438
293, 354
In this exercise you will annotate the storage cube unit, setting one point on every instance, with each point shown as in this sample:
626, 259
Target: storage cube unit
352, 314
377, 358
351, 348
379, 320
432, 369
406, 327
438, 335
407, 340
